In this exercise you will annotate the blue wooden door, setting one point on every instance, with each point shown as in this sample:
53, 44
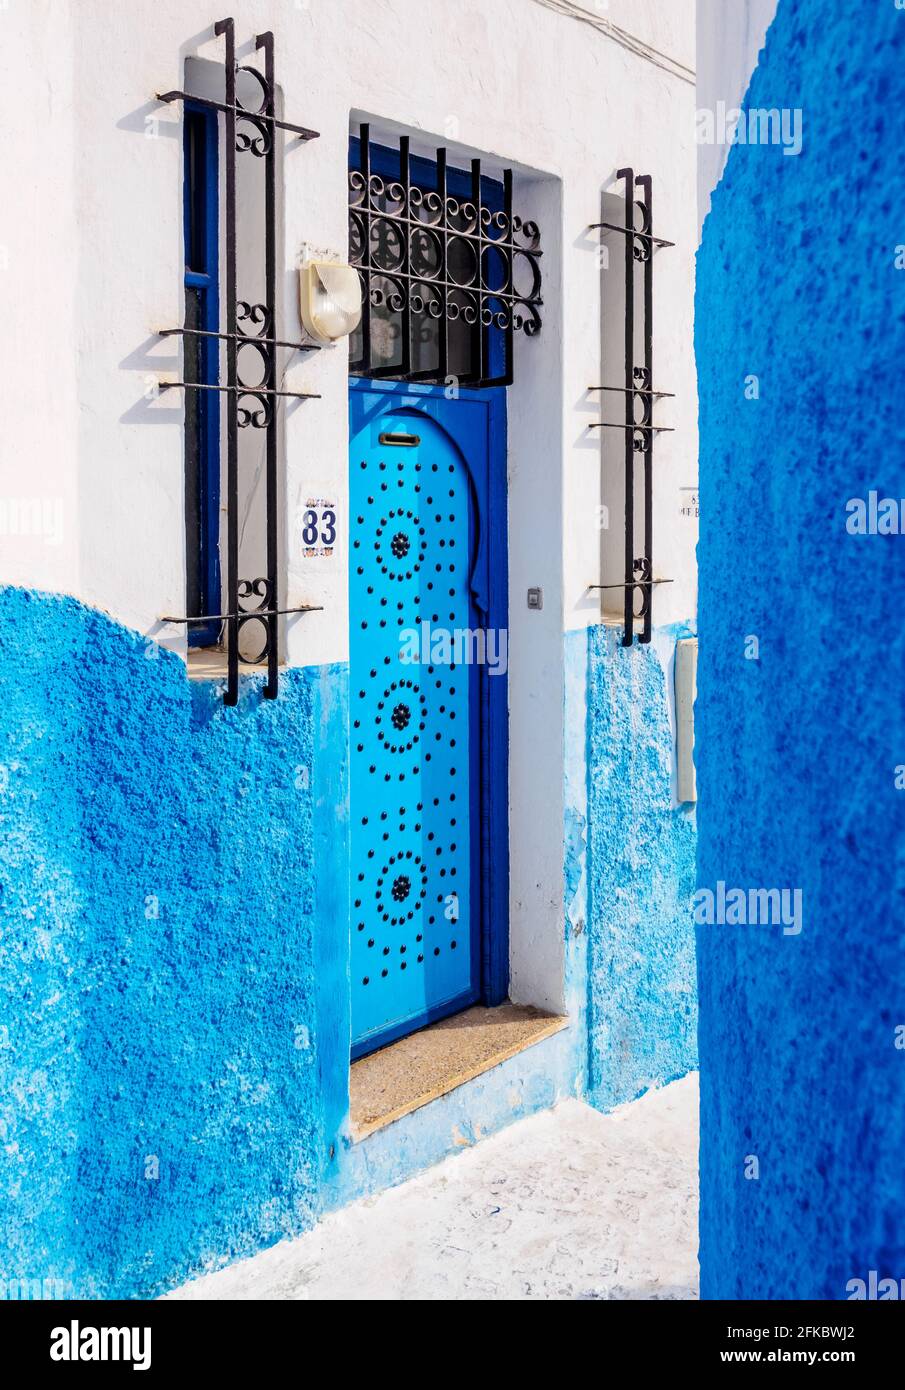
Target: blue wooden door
419, 562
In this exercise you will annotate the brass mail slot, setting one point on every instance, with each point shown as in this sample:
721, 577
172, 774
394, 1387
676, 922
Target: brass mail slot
401, 441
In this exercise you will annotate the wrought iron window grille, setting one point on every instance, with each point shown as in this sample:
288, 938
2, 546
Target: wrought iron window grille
640, 396
250, 330
428, 258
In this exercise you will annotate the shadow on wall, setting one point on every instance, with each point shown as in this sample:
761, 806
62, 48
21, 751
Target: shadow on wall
800, 324
162, 1111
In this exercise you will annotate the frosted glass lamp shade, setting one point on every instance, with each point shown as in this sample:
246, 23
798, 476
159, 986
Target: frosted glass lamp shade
330, 297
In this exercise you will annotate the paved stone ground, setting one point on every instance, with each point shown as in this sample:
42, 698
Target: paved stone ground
569, 1204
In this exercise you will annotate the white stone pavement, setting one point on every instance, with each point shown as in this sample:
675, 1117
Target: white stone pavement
568, 1204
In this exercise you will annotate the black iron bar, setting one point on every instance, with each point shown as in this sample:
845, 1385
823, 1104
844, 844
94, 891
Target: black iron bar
631, 231
265, 41
655, 429
443, 269
509, 261
474, 235
645, 182
633, 391
405, 231
507, 252
439, 282
240, 338
635, 584
249, 613
436, 282
364, 145
629, 610
477, 356
226, 27
237, 111
239, 390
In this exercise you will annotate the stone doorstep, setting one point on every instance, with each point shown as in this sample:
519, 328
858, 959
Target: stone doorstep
407, 1074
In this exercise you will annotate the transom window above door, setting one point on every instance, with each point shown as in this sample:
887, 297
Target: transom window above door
449, 273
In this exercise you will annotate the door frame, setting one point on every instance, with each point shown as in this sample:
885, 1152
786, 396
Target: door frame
493, 750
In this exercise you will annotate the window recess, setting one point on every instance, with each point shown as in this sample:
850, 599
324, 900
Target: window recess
245, 611
640, 397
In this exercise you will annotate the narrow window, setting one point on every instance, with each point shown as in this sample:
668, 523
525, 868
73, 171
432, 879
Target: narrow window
202, 365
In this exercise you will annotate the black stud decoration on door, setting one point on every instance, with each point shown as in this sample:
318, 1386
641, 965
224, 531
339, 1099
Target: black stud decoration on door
410, 583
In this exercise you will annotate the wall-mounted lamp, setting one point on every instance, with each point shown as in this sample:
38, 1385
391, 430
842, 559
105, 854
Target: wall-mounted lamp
330, 299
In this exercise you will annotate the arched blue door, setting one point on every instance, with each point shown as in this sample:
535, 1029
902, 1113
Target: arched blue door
419, 576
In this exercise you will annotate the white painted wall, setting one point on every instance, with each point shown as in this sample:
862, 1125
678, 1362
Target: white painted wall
730, 36
38, 250
95, 268
662, 28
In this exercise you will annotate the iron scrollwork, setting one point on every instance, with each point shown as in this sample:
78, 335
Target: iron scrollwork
426, 257
639, 395
251, 353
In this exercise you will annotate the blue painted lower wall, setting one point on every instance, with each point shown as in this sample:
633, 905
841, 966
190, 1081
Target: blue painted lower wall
799, 738
160, 1068
174, 958
630, 866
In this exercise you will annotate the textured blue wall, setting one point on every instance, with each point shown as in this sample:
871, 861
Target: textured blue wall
174, 957
630, 862
174, 966
797, 750
159, 916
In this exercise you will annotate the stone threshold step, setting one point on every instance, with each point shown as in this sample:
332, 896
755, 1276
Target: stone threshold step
418, 1069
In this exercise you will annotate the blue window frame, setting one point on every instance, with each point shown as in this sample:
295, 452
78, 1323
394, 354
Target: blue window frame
202, 365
